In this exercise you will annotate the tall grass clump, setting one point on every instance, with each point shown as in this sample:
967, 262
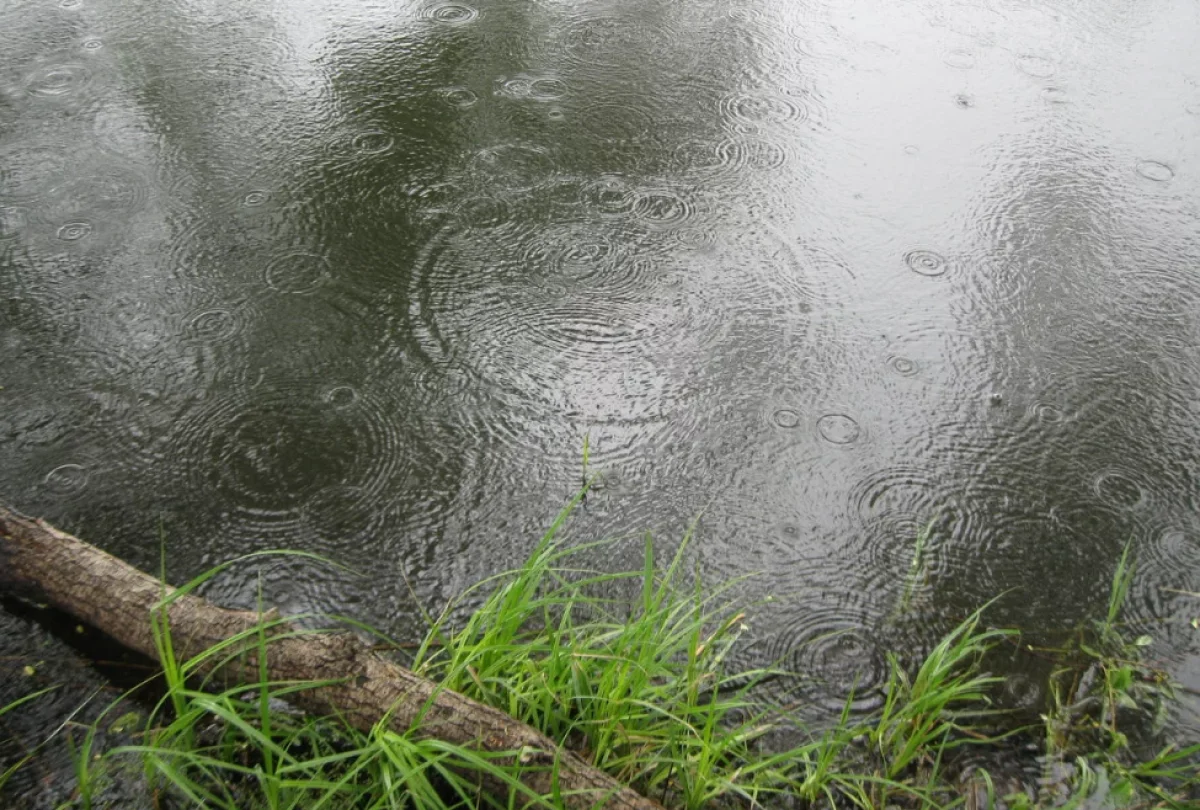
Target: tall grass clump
243, 748
1106, 710
639, 687
943, 704
640, 684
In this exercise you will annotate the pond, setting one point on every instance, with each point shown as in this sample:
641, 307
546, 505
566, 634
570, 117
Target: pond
820, 277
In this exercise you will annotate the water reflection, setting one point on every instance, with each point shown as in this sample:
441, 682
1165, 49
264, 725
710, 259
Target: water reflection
359, 280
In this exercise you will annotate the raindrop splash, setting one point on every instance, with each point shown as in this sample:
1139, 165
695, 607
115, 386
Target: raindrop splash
373, 142
74, 231
786, 418
838, 428
56, 81
903, 366
1119, 489
256, 198
460, 97
66, 479
450, 13
1153, 170
925, 262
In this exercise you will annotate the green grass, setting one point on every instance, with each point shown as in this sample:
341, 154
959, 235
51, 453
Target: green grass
938, 708
639, 687
639, 683
8, 772
1102, 692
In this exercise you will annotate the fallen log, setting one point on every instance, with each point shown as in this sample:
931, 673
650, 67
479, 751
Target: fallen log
118, 599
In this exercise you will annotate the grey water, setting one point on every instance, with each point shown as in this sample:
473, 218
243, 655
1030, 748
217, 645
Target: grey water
359, 278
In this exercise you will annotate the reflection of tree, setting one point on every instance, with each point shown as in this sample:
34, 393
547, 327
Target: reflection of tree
576, 101
335, 150
1081, 439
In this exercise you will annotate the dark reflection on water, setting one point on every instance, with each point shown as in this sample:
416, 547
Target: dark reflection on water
360, 280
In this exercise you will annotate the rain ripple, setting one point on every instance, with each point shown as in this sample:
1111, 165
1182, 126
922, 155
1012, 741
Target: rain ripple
1156, 171
663, 206
255, 198
297, 586
535, 276
449, 13
1056, 95
617, 122
786, 418
1039, 67
838, 428
297, 273
750, 153
904, 366
74, 231
1167, 562
826, 653
758, 111
114, 192
610, 194
571, 308
1160, 289
215, 325
58, 81
264, 453
28, 172
512, 166
1120, 488
899, 490
609, 42
66, 480
524, 86
459, 97
361, 144
960, 58
926, 262
1046, 413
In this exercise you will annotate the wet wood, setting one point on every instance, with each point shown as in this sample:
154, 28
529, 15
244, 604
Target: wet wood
55, 567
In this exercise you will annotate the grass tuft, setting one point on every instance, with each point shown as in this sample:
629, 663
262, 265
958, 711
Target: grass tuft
642, 688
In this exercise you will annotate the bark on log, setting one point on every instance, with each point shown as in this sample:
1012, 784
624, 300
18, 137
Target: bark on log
118, 600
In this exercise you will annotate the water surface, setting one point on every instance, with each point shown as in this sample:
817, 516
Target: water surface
359, 278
